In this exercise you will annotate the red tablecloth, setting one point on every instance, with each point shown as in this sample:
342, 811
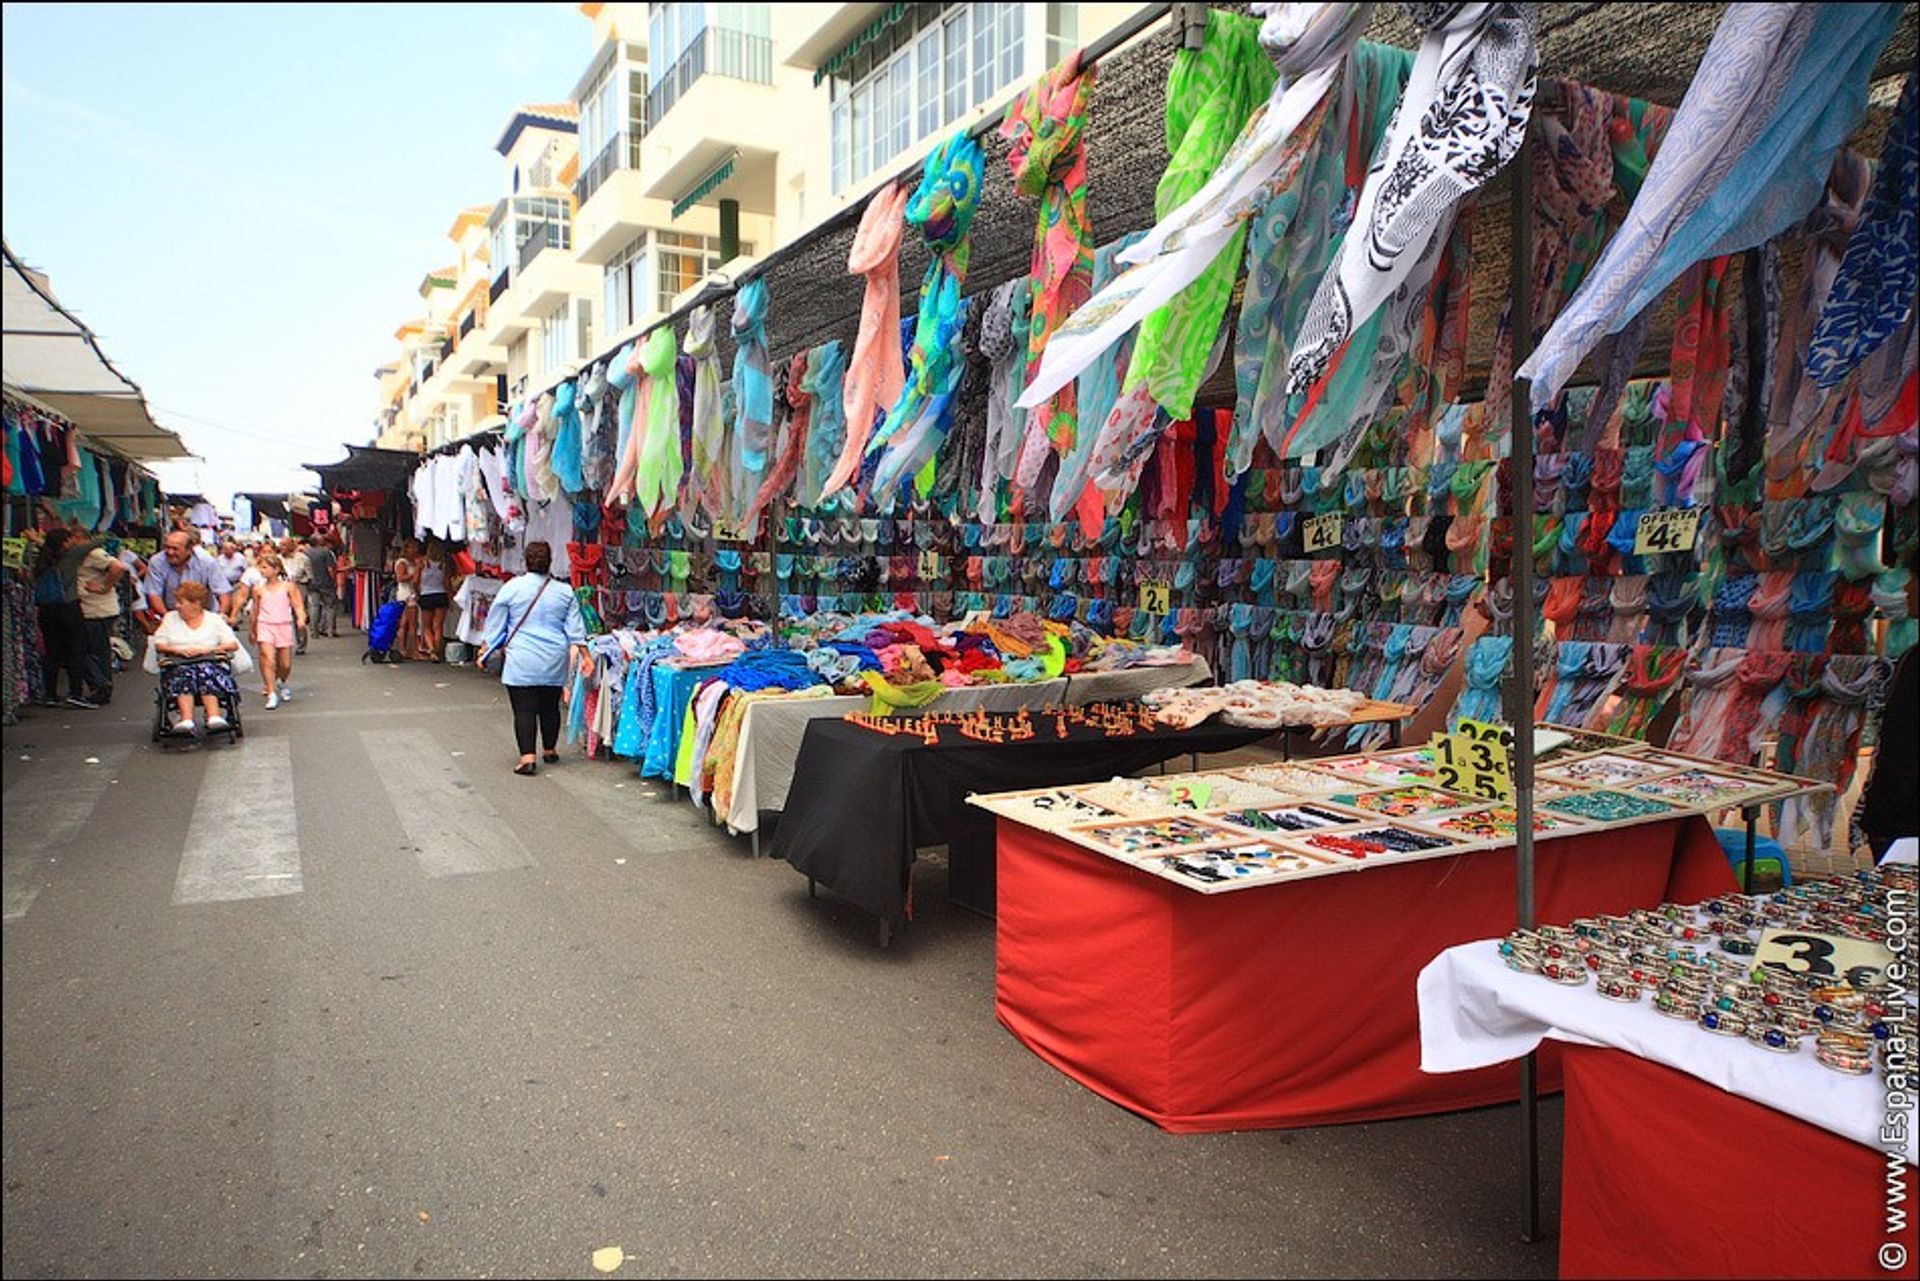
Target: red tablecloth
1667, 1176
1293, 1004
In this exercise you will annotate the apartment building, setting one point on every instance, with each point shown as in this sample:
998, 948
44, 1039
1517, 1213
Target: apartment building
699, 137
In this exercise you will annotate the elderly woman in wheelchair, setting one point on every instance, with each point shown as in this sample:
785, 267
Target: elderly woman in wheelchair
195, 648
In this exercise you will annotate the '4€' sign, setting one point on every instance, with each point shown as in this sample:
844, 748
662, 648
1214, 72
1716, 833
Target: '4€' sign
1667, 529
1476, 759
1323, 533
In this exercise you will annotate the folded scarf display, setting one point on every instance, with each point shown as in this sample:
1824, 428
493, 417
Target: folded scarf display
1890, 599
793, 441
1584, 674
1873, 293
1486, 665
1651, 675
875, 371
1767, 607
1462, 117
1780, 86
827, 431
1809, 611
942, 207
1671, 599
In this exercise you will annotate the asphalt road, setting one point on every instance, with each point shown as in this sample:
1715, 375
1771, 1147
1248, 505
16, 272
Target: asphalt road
351, 999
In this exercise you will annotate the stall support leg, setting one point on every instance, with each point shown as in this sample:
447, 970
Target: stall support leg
886, 932
1193, 762
1530, 1125
812, 888
1752, 813
756, 842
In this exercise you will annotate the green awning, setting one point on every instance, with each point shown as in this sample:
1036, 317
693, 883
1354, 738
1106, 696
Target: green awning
706, 186
874, 30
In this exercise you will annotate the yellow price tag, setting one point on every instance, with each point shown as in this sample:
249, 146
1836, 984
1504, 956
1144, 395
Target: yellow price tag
1667, 529
1476, 759
930, 566
16, 553
1833, 957
1324, 533
1156, 597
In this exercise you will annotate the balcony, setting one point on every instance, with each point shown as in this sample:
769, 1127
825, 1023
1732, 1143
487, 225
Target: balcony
499, 285
621, 152
734, 55
545, 235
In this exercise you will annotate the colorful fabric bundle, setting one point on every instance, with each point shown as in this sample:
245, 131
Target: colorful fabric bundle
649, 475
875, 373
1463, 116
826, 375
793, 442
942, 207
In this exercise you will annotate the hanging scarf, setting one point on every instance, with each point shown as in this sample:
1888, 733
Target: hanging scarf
1014, 452
1486, 665
711, 479
1652, 673
1698, 382
1186, 264
825, 384
799, 400
1827, 747
875, 373
1873, 294
1096, 392
1463, 116
1046, 128
1294, 236
942, 207
1780, 87
568, 447
649, 475
752, 393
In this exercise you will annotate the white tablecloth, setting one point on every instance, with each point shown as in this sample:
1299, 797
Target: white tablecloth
1475, 1012
771, 729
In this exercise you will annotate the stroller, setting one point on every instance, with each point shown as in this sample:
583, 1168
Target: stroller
380, 636
167, 734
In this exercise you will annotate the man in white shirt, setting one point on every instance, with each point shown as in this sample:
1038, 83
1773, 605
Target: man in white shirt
99, 583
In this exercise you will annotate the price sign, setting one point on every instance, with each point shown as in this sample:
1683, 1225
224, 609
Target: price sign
1324, 533
1156, 596
930, 567
1833, 957
1666, 529
16, 553
1197, 795
1477, 759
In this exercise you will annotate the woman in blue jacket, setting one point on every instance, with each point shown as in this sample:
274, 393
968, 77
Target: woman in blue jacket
537, 621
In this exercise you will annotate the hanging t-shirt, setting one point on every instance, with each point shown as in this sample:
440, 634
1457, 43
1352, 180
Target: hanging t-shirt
473, 600
553, 523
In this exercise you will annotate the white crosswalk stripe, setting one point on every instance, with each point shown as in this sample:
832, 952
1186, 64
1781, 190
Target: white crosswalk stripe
38, 819
453, 829
244, 839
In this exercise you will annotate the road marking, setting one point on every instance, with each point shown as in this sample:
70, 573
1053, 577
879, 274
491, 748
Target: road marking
640, 824
244, 840
262, 719
450, 826
44, 811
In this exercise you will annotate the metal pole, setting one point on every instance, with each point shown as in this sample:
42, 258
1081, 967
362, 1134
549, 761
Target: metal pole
1746, 871
1521, 452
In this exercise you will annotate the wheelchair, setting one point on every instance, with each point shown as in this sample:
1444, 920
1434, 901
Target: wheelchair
167, 733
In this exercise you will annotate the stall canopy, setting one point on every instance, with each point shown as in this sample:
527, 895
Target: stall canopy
366, 468
53, 358
272, 506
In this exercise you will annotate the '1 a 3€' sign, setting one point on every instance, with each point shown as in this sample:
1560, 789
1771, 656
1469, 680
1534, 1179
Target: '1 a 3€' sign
1323, 533
1476, 758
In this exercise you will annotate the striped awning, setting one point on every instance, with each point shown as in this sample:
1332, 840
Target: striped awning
706, 186
871, 32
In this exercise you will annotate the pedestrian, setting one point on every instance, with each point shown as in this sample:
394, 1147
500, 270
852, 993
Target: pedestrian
233, 561
323, 602
293, 554
99, 583
535, 623
1890, 808
63, 634
278, 613
179, 563
433, 600
406, 590
192, 630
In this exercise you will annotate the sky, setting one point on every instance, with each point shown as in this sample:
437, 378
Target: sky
240, 201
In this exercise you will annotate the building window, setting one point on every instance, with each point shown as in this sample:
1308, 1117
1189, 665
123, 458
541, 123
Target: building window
627, 287
923, 73
613, 119
688, 41
556, 338
683, 260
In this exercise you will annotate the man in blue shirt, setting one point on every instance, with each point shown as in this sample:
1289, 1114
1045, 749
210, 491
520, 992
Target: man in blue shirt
178, 564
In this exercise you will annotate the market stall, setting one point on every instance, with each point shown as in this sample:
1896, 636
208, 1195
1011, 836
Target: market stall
1666, 1079
1243, 955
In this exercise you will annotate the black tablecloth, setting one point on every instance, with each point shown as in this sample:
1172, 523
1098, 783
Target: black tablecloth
862, 801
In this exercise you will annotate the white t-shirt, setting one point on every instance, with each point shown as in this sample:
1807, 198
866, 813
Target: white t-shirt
93, 570
474, 599
212, 632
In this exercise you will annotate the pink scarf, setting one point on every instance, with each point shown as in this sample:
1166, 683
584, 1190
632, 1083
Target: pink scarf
875, 373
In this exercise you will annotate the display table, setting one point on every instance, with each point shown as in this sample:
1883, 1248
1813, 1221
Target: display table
771, 731
1288, 1004
863, 801
1685, 1154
